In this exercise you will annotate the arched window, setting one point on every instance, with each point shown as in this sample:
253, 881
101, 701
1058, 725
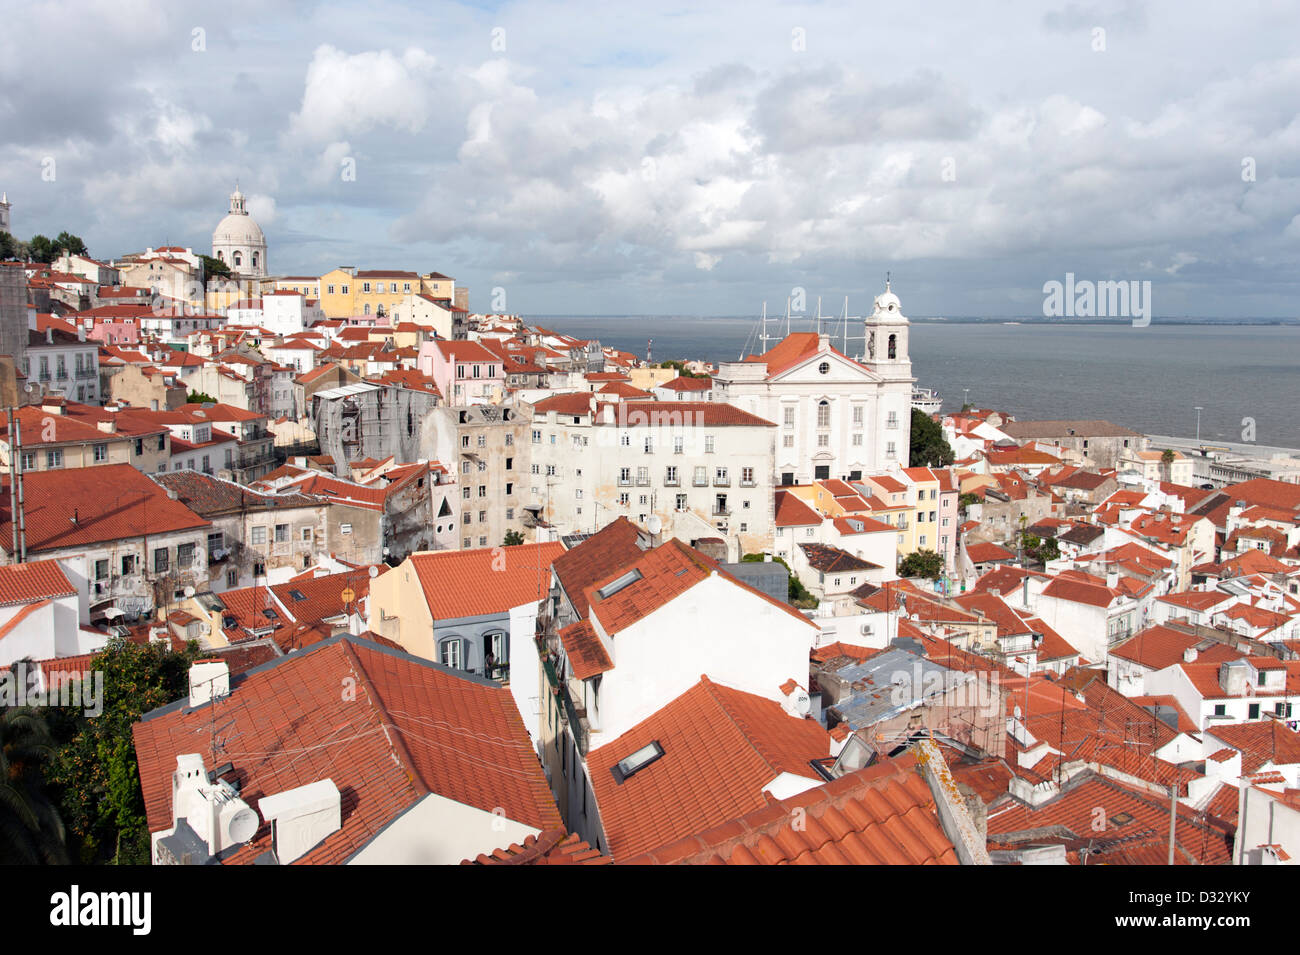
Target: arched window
254, 260
367, 308
893, 346
823, 414
239, 259
221, 256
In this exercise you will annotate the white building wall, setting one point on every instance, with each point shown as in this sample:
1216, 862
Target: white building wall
735, 637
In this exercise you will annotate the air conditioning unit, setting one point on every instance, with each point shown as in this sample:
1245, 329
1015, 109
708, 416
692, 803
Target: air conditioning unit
865, 630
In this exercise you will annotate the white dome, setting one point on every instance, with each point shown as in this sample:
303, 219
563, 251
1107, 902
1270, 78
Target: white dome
887, 301
238, 229
239, 241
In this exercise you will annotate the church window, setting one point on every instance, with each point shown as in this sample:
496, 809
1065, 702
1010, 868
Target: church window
239, 260
893, 346
254, 260
823, 414
221, 256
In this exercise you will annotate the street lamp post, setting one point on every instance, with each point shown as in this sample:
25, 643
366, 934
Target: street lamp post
1199, 409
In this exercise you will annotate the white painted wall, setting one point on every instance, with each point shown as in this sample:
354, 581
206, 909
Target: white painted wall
441, 831
717, 628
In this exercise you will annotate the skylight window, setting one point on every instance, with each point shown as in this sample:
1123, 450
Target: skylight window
610, 589
297, 594
631, 765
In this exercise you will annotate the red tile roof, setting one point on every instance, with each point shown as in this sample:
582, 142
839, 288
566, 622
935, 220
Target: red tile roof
569, 403
488, 580
34, 580
587, 655
1262, 743
881, 815
413, 728
613, 546
721, 747
1136, 825
665, 572
700, 414
688, 384
791, 511
982, 552
551, 847
125, 504
1079, 590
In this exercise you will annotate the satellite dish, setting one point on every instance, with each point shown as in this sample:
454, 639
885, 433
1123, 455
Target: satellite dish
243, 825
374, 571
803, 703
189, 591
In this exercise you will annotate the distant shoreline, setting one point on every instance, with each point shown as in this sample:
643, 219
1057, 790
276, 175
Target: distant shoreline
954, 320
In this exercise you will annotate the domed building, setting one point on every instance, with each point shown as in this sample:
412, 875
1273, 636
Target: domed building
238, 240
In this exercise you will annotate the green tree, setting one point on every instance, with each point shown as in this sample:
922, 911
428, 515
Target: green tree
681, 369
921, 563
200, 398
214, 268
41, 249
67, 242
46, 250
967, 499
513, 539
10, 248
31, 832
929, 447
94, 771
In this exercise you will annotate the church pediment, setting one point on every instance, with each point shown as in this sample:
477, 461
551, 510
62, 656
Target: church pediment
827, 367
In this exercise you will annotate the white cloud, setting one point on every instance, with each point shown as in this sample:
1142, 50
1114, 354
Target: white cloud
350, 94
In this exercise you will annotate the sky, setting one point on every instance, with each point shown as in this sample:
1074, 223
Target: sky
611, 158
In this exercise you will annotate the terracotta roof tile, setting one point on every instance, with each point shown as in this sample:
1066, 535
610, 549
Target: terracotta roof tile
413, 728
721, 747
880, 815
486, 580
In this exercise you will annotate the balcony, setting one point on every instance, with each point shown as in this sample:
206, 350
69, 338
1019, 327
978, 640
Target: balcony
672, 482
721, 512
624, 481
744, 483
575, 718
700, 481
721, 480
643, 480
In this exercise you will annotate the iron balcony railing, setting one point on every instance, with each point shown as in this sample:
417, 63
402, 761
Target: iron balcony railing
569, 713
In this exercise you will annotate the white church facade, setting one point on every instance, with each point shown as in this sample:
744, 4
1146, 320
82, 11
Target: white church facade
835, 417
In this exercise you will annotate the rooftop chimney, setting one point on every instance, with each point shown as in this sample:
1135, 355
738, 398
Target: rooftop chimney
208, 679
301, 818
1189, 655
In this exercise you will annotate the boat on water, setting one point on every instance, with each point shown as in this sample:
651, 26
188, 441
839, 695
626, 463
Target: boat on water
926, 400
